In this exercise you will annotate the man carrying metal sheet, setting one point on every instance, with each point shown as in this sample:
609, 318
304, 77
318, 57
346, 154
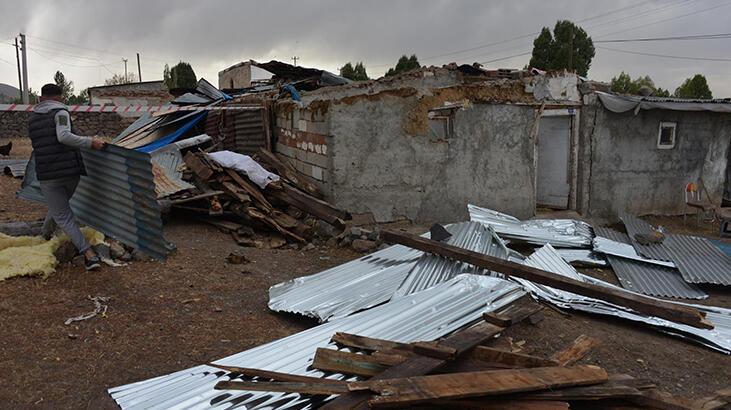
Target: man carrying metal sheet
59, 166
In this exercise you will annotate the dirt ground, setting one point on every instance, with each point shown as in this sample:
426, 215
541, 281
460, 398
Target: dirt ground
195, 307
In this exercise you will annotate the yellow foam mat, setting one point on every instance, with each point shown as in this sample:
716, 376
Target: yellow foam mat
33, 255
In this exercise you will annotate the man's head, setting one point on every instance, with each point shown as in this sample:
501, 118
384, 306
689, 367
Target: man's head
51, 92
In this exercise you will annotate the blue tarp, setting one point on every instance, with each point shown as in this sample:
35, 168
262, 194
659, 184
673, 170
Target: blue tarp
172, 137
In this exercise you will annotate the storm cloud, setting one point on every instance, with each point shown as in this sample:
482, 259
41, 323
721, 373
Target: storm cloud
87, 40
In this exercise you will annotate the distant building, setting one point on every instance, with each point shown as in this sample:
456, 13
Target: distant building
236, 76
142, 93
8, 93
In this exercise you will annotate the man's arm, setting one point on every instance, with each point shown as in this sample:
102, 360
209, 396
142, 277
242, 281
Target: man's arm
64, 134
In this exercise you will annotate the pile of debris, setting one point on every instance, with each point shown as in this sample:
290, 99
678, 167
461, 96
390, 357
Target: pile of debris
462, 371
247, 197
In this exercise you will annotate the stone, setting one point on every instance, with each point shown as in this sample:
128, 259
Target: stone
373, 235
237, 259
116, 249
325, 229
310, 246
363, 245
356, 231
126, 257
332, 242
78, 261
65, 252
346, 241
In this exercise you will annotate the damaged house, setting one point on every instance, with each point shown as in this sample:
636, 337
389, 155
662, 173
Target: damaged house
421, 145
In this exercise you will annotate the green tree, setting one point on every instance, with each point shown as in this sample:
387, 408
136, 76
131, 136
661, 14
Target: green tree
694, 87
82, 98
624, 84
32, 98
180, 76
357, 73
404, 64
569, 47
67, 87
118, 79
166, 79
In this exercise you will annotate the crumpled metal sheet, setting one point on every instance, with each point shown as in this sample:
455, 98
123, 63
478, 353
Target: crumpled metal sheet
433, 269
582, 257
698, 260
718, 338
348, 288
610, 242
117, 198
636, 226
450, 305
562, 233
646, 278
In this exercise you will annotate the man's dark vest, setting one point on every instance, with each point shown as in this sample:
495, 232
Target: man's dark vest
53, 159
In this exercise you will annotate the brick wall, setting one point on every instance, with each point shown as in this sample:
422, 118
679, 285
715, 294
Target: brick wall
107, 124
302, 137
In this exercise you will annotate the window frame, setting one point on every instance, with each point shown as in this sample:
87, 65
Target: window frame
667, 124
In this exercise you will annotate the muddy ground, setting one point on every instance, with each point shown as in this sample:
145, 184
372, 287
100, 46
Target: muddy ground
195, 307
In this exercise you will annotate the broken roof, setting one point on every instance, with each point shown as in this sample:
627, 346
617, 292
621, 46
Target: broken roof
624, 103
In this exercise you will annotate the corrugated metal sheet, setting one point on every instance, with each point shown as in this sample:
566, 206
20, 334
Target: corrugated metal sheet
348, 288
166, 169
451, 306
608, 243
547, 258
698, 260
117, 198
433, 269
14, 167
636, 226
582, 256
245, 132
563, 233
647, 278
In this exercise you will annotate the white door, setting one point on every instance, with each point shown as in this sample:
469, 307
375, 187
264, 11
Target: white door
552, 179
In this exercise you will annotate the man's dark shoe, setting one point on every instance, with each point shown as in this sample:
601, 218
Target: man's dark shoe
93, 263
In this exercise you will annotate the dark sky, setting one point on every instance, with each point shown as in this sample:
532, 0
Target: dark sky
87, 40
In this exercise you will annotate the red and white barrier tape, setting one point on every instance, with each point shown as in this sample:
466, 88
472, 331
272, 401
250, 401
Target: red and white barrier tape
127, 108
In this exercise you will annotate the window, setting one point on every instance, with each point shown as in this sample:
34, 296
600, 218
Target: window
666, 135
441, 123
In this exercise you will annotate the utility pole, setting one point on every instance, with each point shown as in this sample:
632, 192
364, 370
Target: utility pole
24, 44
295, 58
17, 59
139, 70
125, 69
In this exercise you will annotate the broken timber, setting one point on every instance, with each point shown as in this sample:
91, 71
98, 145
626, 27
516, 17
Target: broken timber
642, 304
421, 389
572, 354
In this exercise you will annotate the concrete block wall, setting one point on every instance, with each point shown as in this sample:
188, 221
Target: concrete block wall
302, 138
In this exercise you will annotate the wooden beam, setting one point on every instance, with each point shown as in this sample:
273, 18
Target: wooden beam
578, 349
423, 389
308, 203
434, 349
250, 189
653, 307
331, 360
503, 357
325, 388
367, 343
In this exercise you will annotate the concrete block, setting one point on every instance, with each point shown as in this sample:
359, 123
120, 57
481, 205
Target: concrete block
317, 127
306, 168
299, 166
285, 150
302, 125
317, 159
300, 154
317, 172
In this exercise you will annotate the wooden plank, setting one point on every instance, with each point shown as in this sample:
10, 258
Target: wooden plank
287, 171
204, 195
275, 376
434, 349
367, 343
653, 307
490, 355
330, 360
199, 168
496, 319
516, 312
423, 389
308, 203
235, 191
578, 349
326, 387
260, 216
250, 189
491, 404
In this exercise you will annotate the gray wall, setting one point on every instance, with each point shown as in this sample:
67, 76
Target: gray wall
379, 168
623, 170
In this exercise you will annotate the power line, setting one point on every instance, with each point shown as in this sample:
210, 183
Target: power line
665, 55
65, 63
695, 37
90, 48
506, 58
7, 62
